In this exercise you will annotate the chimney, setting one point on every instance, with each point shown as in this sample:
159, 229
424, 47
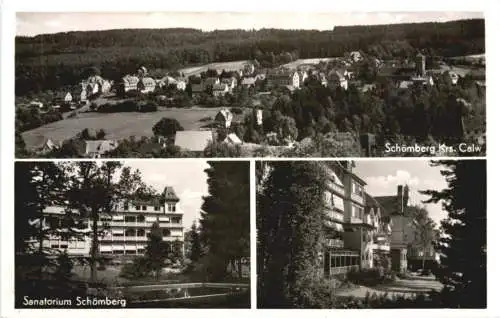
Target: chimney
406, 191
400, 200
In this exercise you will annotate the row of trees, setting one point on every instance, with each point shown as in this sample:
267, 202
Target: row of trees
51, 61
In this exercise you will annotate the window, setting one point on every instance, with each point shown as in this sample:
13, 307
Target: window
176, 220
125, 206
140, 218
119, 234
137, 207
171, 207
129, 218
54, 245
63, 246
144, 208
332, 198
141, 232
130, 232
166, 232
157, 208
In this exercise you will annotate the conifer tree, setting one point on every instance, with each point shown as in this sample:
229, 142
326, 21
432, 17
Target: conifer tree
463, 244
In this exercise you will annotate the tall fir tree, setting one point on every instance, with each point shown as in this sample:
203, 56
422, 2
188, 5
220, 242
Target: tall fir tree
195, 252
290, 219
156, 250
463, 244
225, 216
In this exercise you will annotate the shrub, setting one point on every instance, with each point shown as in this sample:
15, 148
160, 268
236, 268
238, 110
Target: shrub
236, 110
368, 277
139, 268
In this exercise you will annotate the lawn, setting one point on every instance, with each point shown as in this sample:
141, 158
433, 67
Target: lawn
195, 70
117, 125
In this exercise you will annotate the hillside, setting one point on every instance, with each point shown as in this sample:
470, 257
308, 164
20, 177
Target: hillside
51, 61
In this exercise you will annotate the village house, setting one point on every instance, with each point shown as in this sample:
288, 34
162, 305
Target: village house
36, 104
302, 77
64, 98
248, 82
146, 85
220, 90
233, 139
282, 78
453, 77
224, 118
337, 79
129, 83
231, 83
248, 69
97, 148
355, 56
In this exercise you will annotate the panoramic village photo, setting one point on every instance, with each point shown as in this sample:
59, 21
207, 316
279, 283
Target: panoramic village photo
371, 234
243, 84
133, 234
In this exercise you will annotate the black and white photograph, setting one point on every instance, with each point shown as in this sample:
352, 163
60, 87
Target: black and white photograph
249, 84
132, 234
371, 234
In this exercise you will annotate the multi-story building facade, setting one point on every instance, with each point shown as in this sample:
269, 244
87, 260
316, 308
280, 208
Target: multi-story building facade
125, 231
283, 78
356, 236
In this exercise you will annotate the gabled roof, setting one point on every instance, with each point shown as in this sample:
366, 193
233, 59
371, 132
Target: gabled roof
233, 139
193, 140
99, 146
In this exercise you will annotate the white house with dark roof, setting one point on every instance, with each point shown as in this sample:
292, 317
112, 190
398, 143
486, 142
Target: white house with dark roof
220, 89
146, 85
97, 148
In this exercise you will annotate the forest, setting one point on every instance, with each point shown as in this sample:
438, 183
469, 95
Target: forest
47, 62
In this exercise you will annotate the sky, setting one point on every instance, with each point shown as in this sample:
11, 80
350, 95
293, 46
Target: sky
383, 177
187, 177
34, 23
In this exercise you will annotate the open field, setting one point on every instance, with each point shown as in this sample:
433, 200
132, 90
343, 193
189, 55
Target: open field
228, 66
117, 125
299, 62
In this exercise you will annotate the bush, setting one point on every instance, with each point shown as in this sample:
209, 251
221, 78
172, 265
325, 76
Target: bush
236, 110
367, 277
138, 269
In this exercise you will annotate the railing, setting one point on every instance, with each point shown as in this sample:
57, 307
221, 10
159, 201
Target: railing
382, 246
337, 216
337, 188
358, 198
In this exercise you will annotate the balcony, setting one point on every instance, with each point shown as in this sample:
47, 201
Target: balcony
358, 198
335, 216
382, 246
334, 243
354, 220
335, 187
